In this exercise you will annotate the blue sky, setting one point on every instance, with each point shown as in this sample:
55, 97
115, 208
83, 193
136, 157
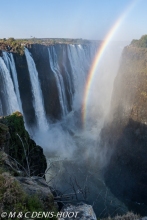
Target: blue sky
88, 19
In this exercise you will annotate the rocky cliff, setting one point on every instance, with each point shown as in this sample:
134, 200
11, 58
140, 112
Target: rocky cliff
47, 79
46, 76
125, 132
15, 141
23, 189
22, 168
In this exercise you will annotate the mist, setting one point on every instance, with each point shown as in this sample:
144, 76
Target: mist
53, 115
72, 148
67, 136
70, 136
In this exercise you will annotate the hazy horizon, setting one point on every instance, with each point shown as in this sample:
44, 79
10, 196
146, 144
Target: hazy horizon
91, 20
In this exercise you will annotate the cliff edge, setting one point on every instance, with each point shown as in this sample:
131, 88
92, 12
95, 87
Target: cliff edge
125, 132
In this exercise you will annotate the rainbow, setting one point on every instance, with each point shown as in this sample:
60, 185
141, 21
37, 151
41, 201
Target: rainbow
99, 55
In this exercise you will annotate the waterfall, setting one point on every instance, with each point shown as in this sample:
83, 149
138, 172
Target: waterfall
69, 65
62, 73
79, 69
11, 66
6, 59
15, 80
80, 58
69, 77
7, 90
71, 62
37, 93
53, 60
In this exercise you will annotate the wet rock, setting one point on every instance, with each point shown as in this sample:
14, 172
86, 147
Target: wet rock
22, 149
125, 132
37, 186
80, 212
4, 137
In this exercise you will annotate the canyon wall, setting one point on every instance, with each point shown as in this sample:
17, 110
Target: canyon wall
125, 133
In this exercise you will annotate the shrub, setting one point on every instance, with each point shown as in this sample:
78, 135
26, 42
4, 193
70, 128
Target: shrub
142, 42
14, 199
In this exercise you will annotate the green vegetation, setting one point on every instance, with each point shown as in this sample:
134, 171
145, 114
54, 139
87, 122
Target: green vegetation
21, 147
13, 45
17, 45
3, 133
142, 42
128, 216
15, 124
14, 199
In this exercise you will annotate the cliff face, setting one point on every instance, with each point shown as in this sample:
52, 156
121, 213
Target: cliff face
125, 133
15, 141
58, 81
4, 137
47, 80
130, 90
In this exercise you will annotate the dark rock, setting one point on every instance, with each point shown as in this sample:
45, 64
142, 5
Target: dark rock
48, 83
21, 148
79, 212
24, 194
4, 137
25, 88
37, 186
125, 132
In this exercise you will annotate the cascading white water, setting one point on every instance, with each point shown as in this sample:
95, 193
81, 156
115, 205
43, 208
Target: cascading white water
53, 60
11, 65
37, 93
78, 78
8, 89
83, 162
75, 147
80, 61
15, 80
68, 76
82, 55
6, 59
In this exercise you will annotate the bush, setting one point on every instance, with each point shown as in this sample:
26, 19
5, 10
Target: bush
142, 42
14, 199
22, 148
128, 216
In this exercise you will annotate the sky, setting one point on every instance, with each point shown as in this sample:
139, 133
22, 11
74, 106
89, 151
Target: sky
87, 19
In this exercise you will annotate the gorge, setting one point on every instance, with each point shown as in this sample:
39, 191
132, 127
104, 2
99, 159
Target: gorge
46, 84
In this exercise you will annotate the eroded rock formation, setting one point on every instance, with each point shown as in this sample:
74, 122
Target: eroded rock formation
125, 132
15, 140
